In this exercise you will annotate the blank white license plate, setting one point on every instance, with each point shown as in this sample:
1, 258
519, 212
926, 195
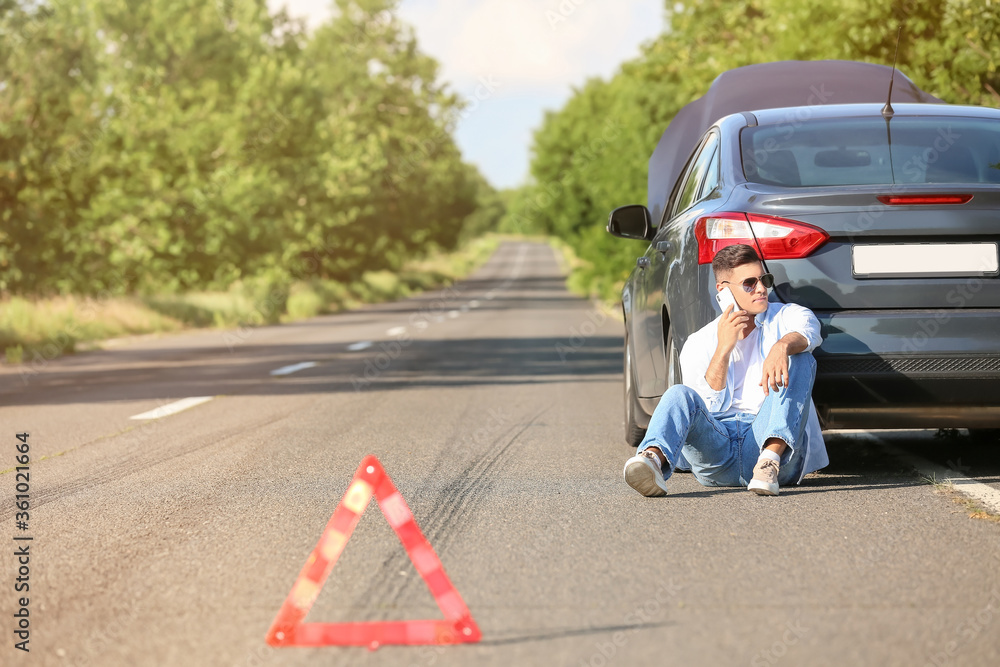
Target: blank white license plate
915, 260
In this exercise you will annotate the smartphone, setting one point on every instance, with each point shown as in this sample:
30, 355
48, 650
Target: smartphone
726, 299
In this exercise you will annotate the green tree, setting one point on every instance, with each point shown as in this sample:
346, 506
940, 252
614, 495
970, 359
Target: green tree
175, 144
49, 80
951, 48
386, 156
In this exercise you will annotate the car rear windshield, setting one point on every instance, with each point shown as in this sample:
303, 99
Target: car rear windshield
856, 151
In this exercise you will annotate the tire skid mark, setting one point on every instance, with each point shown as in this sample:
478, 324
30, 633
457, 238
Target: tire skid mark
451, 505
455, 499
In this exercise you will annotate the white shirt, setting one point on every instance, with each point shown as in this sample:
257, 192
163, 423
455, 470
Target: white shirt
748, 364
778, 320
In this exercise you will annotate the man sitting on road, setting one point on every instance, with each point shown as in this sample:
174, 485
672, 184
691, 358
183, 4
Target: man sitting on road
744, 415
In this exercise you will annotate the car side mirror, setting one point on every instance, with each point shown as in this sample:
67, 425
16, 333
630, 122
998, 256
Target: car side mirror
631, 222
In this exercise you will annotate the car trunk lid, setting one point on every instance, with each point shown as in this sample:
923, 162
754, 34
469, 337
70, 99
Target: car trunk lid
914, 252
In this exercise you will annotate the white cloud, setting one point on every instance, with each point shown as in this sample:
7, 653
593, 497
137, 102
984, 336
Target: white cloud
314, 11
525, 43
536, 50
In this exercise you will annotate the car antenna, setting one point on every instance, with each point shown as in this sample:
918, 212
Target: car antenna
760, 251
887, 111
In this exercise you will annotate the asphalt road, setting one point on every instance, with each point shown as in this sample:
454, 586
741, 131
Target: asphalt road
495, 406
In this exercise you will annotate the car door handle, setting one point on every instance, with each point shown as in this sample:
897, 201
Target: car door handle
642, 262
664, 247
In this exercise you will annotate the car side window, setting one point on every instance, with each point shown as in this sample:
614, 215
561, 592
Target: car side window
711, 175
695, 175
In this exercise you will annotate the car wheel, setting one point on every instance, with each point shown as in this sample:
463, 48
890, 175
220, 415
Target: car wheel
674, 377
633, 432
673, 361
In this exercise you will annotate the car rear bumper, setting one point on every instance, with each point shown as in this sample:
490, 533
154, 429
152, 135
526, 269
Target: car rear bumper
918, 333
909, 368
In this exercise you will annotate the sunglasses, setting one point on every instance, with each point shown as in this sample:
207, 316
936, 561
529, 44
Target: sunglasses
750, 284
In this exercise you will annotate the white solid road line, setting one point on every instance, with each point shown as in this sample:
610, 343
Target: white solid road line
982, 493
294, 368
395, 331
360, 345
173, 408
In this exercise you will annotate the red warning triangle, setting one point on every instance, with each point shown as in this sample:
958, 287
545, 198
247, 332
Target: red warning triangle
288, 628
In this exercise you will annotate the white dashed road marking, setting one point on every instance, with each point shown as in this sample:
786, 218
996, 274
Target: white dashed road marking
422, 324
294, 368
173, 408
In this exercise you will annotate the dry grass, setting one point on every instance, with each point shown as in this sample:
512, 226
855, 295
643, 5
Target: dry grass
58, 325
970, 506
49, 327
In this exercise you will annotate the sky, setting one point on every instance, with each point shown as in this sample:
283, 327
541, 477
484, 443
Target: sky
514, 59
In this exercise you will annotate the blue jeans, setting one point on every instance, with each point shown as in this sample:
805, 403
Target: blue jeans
723, 452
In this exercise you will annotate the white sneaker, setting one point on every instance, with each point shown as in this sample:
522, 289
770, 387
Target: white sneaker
765, 478
644, 474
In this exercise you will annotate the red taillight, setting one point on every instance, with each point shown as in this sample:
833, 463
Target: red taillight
778, 238
901, 200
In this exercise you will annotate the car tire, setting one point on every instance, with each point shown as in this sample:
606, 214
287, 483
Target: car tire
673, 360
633, 432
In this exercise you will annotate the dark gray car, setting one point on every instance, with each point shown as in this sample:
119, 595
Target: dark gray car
884, 222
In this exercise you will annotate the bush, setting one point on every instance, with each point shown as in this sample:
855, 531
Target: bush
267, 295
304, 301
382, 286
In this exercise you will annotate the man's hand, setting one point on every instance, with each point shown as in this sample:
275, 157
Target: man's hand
775, 368
776, 365
731, 328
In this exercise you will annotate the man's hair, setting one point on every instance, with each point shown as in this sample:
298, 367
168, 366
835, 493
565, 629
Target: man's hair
732, 256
